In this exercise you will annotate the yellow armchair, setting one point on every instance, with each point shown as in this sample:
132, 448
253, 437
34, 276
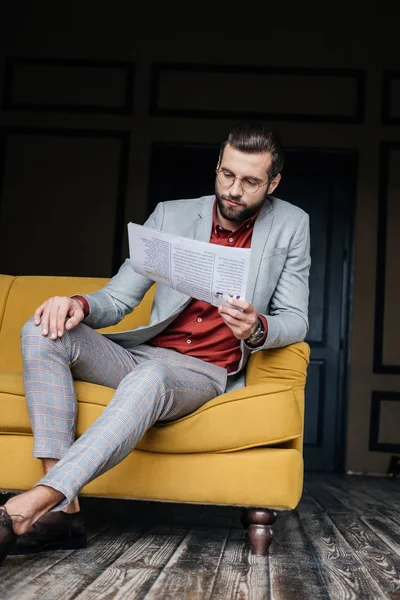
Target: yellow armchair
243, 448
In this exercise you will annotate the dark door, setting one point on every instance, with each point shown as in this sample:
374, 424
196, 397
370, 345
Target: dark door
322, 182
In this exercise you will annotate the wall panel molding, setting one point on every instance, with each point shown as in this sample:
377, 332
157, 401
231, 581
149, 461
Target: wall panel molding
381, 264
390, 98
122, 137
345, 104
69, 86
377, 399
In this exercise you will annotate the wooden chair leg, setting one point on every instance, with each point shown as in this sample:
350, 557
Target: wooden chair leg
259, 521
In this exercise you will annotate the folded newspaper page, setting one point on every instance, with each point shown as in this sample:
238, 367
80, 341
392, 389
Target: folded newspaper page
205, 271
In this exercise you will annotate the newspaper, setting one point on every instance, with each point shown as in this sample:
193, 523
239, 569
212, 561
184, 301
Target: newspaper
204, 271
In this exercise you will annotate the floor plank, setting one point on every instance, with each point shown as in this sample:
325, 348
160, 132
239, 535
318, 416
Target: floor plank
349, 498
241, 575
389, 503
202, 547
75, 572
365, 493
394, 515
135, 571
294, 569
342, 541
307, 503
23, 569
324, 497
382, 565
388, 531
344, 574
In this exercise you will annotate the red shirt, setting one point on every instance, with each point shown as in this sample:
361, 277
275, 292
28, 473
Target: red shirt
199, 330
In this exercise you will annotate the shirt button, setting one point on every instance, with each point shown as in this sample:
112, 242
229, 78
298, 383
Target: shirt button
231, 239
189, 341
199, 319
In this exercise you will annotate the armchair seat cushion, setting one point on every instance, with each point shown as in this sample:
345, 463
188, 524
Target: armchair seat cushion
265, 414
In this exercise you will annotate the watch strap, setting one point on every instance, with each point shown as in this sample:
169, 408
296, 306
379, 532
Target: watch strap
257, 334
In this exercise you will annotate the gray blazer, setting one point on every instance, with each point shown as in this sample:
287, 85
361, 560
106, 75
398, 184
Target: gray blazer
277, 285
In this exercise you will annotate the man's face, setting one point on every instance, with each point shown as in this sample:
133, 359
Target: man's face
234, 203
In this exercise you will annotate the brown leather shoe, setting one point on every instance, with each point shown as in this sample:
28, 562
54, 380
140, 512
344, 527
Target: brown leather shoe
54, 531
7, 535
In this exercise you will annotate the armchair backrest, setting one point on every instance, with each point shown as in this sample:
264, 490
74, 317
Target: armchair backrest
20, 296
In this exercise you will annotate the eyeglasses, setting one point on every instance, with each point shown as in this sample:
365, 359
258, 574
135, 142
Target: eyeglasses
227, 179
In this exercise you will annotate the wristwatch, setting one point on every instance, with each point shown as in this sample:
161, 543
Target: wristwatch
257, 335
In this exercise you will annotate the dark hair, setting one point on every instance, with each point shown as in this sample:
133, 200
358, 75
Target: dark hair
255, 138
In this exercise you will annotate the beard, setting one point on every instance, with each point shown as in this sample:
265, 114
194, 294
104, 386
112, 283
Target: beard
240, 212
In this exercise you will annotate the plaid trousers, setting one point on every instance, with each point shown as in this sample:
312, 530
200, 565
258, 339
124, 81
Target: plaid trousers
151, 384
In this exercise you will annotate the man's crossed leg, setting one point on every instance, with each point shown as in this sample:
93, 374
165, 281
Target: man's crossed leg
151, 384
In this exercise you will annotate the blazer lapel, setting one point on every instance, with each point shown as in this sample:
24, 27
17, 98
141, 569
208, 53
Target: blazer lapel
262, 229
203, 223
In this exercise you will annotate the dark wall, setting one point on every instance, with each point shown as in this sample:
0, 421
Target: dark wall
94, 93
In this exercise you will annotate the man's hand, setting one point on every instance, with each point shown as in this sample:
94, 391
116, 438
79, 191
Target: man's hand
242, 324
53, 313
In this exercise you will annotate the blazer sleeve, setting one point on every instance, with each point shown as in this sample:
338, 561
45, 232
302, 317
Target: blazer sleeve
124, 291
288, 309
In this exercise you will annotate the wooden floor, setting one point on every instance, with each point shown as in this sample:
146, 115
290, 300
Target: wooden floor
343, 541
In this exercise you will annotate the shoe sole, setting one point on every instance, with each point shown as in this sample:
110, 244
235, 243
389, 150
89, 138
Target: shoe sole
77, 543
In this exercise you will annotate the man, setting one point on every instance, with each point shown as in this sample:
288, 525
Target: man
188, 354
